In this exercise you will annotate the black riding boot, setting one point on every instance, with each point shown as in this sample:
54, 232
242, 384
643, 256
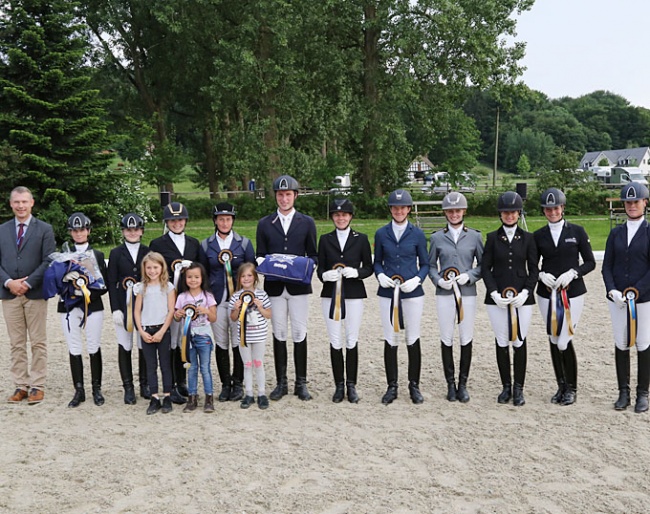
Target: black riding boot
556, 360
336, 356
519, 365
570, 366
77, 370
142, 376
465, 363
643, 381
181, 373
622, 358
237, 391
503, 363
351, 367
300, 363
223, 368
96, 376
415, 365
177, 372
280, 360
126, 373
390, 363
449, 370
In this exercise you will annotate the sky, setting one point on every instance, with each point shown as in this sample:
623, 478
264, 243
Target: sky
575, 47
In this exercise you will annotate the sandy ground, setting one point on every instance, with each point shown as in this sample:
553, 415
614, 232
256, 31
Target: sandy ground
338, 458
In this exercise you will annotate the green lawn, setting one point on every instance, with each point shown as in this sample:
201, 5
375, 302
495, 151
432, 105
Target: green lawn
596, 226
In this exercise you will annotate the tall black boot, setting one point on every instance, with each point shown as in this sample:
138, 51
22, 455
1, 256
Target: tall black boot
336, 356
223, 368
237, 391
177, 368
519, 364
351, 368
447, 353
503, 363
622, 358
465, 363
96, 376
181, 373
643, 381
77, 370
556, 360
142, 376
280, 361
570, 367
415, 365
126, 373
390, 363
300, 362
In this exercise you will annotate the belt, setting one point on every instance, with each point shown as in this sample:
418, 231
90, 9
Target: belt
152, 327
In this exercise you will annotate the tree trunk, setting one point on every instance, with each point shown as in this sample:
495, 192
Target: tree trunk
371, 97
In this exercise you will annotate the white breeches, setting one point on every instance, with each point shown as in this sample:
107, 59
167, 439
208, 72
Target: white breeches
619, 326
412, 313
125, 339
499, 321
74, 334
289, 307
346, 330
224, 329
446, 307
577, 304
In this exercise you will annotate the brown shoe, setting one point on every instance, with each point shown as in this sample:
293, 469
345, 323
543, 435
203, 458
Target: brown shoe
209, 403
35, 396
18, 396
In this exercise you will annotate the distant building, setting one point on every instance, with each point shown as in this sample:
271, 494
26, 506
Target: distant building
419, 168
638, 157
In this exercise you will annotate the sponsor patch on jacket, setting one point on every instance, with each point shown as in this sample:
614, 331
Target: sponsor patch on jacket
570, 240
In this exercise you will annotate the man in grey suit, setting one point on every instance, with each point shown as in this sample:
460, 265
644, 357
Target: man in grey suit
25, 246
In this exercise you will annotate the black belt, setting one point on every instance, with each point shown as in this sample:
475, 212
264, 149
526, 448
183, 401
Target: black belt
155, 328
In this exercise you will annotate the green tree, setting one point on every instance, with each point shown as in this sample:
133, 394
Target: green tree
523, 165
48, 112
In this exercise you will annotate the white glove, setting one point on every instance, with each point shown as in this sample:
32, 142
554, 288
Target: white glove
186, 263
565, 278
331, 275
385, 282
520, 299
118, 318
350, 272
618, 298
259, 260
462, 279
445, 284
71, 276
548, 279
410, 285
499, 300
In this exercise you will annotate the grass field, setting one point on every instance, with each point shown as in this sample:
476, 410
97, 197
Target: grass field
597, 227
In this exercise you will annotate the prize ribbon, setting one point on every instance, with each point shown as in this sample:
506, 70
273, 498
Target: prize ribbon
396, 314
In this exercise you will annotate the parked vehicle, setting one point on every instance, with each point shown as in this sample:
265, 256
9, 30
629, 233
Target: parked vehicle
440, 183
619, 175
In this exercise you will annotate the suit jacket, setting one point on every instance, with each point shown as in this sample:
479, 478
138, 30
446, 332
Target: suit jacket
355, 254
216, 270
628, 266
572, 244
299, 240
31, 260
168, 249
407, 257
96, 303
120, 266
461, 255
510, 264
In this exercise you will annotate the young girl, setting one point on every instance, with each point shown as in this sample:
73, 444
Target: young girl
154, 310
258, 311
198, 295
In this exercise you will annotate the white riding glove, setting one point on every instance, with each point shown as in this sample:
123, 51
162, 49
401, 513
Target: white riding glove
520, 299
350, 272
385, 282
259, 260
565, 278
618, 298
499, 300
410, 285
118, 318
548, 279
462, 279
445, 284
331, 275
71, 276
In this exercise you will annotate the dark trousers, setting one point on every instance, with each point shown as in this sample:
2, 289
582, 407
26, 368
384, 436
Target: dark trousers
154, 352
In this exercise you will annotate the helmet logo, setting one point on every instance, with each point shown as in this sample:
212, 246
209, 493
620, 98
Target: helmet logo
284, 184
398, 195
131, 222
454, 199
550, 199
631, 193
176, 212
76, 222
